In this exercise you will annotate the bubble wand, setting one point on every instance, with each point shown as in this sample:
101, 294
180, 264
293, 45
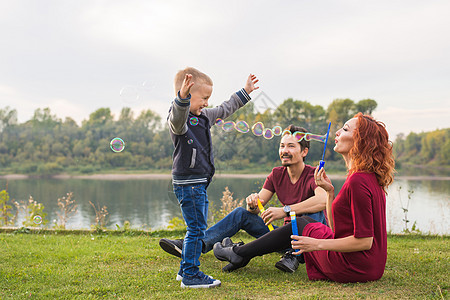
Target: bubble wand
322, 161
294, 224
261, 209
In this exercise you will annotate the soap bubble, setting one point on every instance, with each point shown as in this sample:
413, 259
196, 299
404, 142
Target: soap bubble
277, 130
242, 127
316, 137
299, 135
219, 122
129, 94
37, 220
258, 129
286, 132
133, 94
117, 144
228, 126
193, 121
268, 134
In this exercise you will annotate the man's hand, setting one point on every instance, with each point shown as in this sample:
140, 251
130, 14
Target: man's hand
273, 213
250, 84
186, 86
252, 201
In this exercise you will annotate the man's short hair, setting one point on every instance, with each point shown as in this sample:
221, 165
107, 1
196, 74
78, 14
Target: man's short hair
197, 77
303, 143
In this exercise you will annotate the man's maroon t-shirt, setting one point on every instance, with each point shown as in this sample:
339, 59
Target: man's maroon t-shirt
359, 210
287, 192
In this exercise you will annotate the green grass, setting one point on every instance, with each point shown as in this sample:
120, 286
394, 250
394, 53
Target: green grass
131, 265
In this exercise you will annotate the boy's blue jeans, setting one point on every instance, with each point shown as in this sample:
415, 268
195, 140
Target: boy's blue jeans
194, 207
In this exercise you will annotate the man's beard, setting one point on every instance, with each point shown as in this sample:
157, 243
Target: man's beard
286, 164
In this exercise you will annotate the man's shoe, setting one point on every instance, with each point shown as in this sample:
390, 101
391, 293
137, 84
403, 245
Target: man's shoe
173, 247
227, 254
199, 280
288, 262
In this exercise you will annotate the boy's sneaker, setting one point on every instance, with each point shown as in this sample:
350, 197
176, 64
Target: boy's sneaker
288, 262
180, 275
199, 280
174, 247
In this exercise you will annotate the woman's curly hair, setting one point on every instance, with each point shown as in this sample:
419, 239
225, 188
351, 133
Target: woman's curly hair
372, 150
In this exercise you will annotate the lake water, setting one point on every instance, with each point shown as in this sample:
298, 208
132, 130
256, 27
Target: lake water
150, 203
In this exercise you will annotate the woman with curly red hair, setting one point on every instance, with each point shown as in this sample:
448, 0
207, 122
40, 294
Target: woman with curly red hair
354, 249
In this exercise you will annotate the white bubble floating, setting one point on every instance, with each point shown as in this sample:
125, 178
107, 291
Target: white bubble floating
129, 94
136, 94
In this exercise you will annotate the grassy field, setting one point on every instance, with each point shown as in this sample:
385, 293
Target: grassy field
131, 265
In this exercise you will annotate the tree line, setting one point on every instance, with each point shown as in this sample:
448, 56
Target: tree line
48, 145
426, 148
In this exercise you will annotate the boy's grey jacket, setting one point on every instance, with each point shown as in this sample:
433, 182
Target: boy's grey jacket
193, 160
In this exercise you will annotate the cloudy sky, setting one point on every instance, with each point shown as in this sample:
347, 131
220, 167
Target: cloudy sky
77, 56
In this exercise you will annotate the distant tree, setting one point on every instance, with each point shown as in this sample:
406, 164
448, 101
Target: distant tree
445, 152
366, 106
8, 117
149, 120
341, 110
289, 112
413, 143
99, 117
43, 118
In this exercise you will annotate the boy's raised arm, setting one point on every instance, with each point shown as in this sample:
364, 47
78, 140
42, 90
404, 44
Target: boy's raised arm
179, 111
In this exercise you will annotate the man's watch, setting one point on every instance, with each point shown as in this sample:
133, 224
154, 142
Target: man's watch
287, 210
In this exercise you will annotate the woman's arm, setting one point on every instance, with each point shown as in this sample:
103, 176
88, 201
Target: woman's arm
330, 198
347, 244
324, 182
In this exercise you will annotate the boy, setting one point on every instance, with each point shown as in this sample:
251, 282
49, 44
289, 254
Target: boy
193, 163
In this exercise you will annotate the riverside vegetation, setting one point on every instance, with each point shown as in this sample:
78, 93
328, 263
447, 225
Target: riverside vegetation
46, 145
129, 264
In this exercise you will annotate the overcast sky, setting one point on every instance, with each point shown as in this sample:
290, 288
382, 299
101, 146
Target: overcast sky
77, 56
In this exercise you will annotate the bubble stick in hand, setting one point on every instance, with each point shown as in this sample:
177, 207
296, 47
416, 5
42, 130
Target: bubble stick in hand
294, 224
261, 209
322, 162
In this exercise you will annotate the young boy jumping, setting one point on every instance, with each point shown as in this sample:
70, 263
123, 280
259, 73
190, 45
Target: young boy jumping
193, 162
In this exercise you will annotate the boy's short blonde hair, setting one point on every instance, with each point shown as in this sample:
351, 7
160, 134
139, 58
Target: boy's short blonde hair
197, 77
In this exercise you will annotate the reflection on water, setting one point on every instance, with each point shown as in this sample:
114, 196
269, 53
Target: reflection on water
150, 204
427, 203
